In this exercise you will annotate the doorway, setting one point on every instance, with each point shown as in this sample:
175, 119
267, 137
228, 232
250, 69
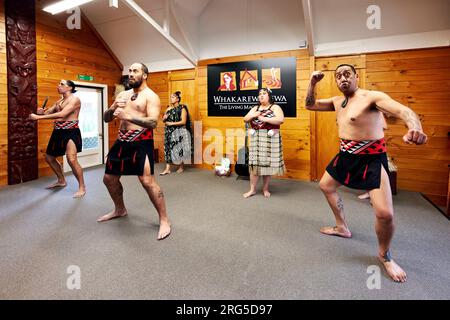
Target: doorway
94, 99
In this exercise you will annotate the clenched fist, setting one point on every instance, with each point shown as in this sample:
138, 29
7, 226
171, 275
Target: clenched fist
316, 76
121, 114
415, 136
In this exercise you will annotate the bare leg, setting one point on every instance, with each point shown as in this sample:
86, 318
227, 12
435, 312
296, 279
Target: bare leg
115, 190
253, 183
181, 168
57, 169
71, 154
384, 226
166, 170
157, 197
329, 188
266, 180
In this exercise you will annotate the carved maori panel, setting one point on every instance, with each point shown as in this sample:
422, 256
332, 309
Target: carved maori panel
22, 90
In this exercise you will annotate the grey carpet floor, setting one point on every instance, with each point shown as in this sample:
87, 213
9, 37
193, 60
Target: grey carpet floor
222, 246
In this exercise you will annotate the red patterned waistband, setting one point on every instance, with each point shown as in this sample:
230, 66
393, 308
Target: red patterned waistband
363, 147
72, 124
135, 135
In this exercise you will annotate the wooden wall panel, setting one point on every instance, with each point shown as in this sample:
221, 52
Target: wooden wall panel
420, 79
159, 82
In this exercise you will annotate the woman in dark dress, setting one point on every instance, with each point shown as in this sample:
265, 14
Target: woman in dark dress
177, 134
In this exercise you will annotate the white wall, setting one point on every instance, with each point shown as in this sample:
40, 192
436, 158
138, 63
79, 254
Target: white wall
238, 27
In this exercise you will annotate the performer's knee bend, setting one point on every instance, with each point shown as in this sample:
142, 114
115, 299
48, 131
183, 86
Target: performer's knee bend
71, 159
385, 214
147, 182
326, 187
108, 180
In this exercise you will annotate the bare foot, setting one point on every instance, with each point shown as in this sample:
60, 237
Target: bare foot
392, 268
164, 230
164, 173
249, 194
364, 196
336, 231
57, 184
79, 194
180, 171
112, 215
266, 194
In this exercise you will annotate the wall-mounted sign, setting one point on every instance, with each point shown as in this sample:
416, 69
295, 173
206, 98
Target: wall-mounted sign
85, 77
233, 87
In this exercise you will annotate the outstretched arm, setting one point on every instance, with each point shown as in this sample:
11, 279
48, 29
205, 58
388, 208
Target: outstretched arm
387, 104
321, 104
71, 107
54, 108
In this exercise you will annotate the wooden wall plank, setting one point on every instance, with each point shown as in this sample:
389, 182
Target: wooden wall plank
418, 79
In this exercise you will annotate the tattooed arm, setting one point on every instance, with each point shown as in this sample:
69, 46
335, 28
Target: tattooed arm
321, 104
153, 110
144, 122
386, 104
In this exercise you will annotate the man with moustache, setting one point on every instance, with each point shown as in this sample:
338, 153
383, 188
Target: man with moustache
362, 162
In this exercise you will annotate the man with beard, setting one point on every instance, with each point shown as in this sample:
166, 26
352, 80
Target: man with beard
132, 154
362, 162
66, 135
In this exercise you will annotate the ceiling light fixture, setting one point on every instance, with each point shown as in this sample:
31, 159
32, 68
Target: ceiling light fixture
64, 5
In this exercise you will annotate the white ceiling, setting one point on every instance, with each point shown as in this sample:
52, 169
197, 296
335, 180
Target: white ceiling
346, 20
219, 28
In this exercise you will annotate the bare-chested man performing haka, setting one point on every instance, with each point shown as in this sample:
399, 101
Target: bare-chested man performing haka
362, 162
132, 154
66, 136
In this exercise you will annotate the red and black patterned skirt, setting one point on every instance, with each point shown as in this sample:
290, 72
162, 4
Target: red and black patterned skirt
358, 164
128, 154
63, 132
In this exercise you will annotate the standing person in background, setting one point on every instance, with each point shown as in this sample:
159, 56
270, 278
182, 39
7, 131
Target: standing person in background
177, 134
266, 149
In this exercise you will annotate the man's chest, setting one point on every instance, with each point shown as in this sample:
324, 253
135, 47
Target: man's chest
138, 105
356, 111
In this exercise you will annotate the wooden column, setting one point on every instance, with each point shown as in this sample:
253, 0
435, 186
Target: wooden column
22, 90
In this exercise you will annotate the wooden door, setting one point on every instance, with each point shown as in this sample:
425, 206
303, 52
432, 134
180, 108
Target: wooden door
184, 81
187, 89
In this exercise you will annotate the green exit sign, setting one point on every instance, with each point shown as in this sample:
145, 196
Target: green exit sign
85, 78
